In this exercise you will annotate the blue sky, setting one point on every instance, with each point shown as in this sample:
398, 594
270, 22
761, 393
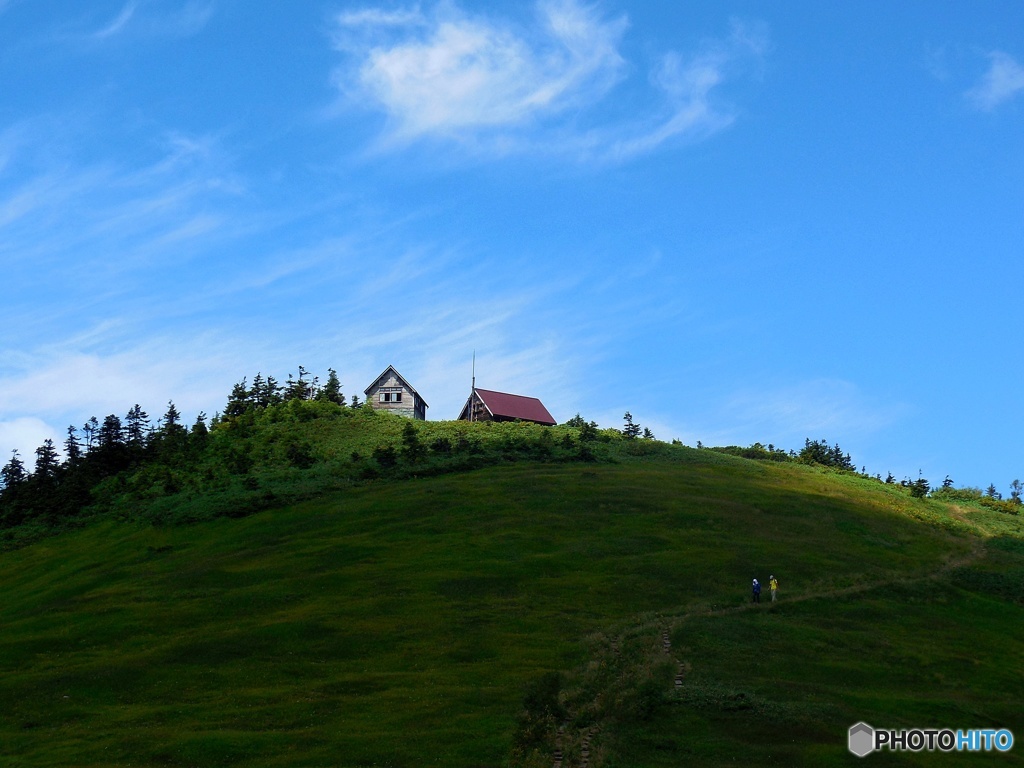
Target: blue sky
740, 221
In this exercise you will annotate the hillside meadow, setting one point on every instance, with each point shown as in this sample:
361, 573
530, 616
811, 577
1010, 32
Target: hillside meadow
461, 619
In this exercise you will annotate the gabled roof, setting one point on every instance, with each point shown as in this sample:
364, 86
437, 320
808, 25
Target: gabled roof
515, 406
398, 376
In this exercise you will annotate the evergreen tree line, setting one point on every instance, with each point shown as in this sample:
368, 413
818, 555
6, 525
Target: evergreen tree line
59, 487
265, 392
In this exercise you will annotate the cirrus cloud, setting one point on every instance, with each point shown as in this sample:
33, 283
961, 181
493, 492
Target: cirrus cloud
150, 21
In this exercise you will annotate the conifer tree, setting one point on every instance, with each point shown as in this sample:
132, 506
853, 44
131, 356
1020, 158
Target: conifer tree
199, 435
171, 422
72, 448
273, 391
588, 431
136, 427
13, 479
110, 433
45, 495
238, 401
13, 472
576, 421
258, 393
819, 452
171, 436
331, 391
630, 430
90, 428
412, 449
110, 452
47, 461
919, 488
299, 388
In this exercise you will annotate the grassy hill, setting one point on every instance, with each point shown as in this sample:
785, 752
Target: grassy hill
460, 619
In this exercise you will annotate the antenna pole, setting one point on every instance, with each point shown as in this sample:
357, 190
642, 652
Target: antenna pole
472, 391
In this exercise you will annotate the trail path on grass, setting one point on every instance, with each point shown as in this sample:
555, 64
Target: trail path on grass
823, 590
574, 747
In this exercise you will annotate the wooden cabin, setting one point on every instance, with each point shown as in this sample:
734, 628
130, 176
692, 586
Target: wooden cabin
488, 405
391, 392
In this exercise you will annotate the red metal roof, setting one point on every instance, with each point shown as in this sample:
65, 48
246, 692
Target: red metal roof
515, 406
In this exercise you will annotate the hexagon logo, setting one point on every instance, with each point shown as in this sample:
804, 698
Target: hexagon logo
861, 739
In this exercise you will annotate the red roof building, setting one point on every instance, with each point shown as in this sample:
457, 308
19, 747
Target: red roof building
488, 405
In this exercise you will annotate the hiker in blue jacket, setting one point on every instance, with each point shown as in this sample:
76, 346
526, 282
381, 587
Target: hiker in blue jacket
757, 591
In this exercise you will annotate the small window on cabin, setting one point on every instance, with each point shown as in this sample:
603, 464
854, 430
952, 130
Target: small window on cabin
391, 395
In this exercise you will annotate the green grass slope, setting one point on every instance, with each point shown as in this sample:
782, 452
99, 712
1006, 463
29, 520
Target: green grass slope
460, 620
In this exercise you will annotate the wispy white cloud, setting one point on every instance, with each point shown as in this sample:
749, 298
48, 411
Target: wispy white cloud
1003, 81
192, 18
815, 409
52, 208
147, 21
11, 139
25, 199
94, 242
119, 22
488, 83
376, 17
687, 85
459, 73
785, 416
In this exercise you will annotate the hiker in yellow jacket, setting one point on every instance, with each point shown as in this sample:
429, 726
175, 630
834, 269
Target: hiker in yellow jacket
773, 585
